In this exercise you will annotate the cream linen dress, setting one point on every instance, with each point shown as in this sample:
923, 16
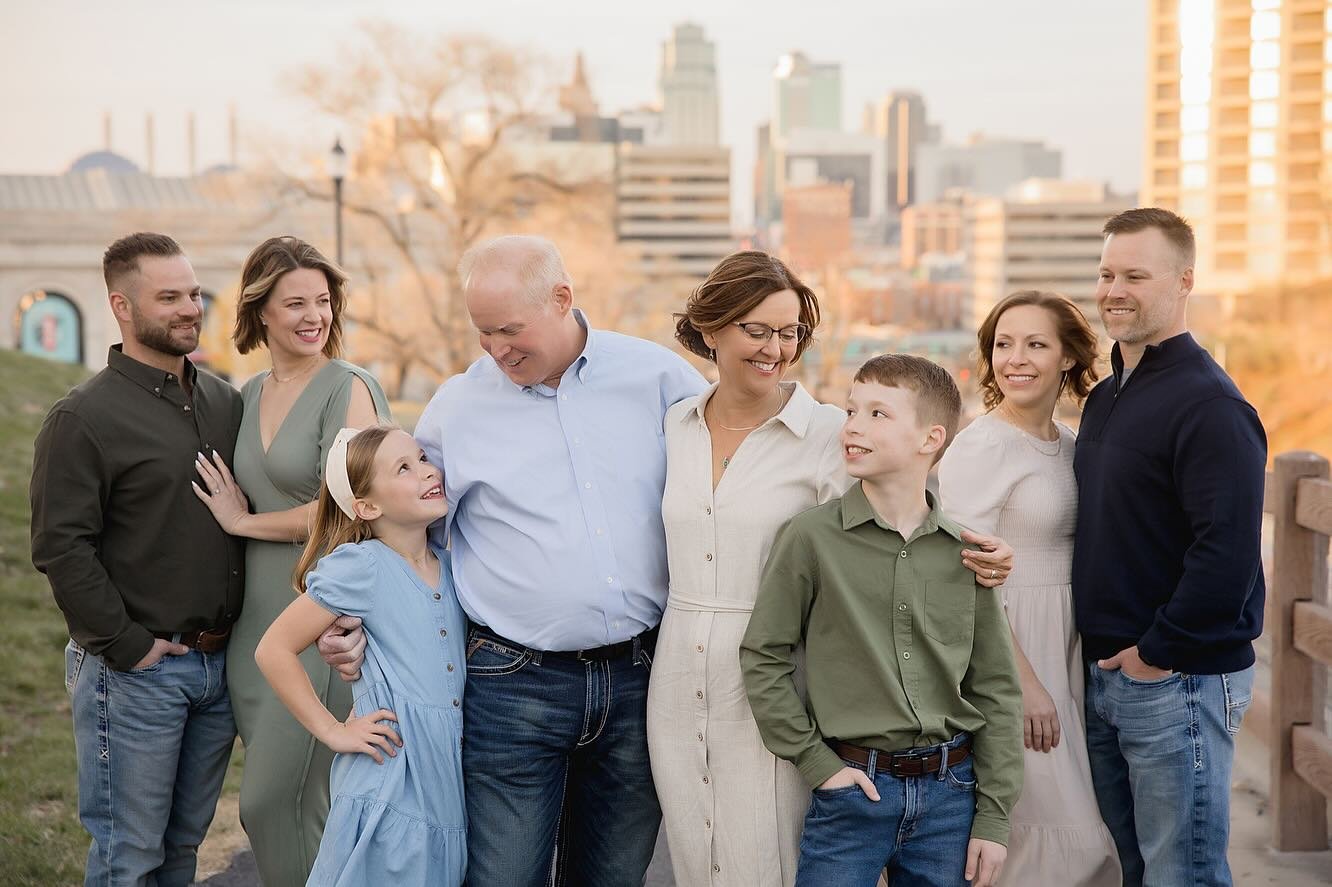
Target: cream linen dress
733, 812
995, 478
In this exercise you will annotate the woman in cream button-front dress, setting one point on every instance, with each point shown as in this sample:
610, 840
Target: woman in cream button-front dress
742, 459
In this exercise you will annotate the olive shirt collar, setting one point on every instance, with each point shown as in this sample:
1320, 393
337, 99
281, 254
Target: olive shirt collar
856, 510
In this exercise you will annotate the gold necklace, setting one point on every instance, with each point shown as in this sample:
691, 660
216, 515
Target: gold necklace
781, 402
272, 374
782, 396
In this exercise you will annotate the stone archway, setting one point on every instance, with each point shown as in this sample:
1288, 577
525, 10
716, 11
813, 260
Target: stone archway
49, 324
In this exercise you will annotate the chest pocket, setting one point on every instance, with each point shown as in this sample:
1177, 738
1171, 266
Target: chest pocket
950, 611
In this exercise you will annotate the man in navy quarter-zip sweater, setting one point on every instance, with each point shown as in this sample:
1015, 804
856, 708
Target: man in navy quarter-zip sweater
1167, 572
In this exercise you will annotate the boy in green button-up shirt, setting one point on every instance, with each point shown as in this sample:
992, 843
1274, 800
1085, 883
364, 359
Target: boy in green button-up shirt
904, 652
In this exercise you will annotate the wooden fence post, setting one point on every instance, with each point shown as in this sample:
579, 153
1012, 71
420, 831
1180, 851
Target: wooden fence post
1299, 811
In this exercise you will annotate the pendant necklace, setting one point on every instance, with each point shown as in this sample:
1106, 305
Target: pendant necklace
782, 397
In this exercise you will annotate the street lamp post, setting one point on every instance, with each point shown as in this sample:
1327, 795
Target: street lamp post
337, 168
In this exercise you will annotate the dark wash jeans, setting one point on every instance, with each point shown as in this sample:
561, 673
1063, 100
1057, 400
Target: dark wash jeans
918, 829
555, 765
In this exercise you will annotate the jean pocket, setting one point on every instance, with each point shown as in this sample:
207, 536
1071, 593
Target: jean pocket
487, 658
644, 659
1239, 693
841, 792
74, 656
961, 777
1158, 682
148, 669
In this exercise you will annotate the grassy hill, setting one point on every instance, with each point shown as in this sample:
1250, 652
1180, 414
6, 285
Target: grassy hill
41, 840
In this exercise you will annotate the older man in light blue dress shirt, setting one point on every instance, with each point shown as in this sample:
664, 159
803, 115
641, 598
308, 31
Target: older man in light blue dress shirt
554, 464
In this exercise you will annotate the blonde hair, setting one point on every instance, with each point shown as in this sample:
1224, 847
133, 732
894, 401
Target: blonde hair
331, 526
264, 267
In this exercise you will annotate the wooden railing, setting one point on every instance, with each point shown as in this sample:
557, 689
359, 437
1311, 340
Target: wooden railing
1290, 718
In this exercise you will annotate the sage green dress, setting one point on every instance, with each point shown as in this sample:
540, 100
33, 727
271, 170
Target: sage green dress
284, 793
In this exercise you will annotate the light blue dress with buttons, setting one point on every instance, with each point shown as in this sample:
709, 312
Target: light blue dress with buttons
401, 822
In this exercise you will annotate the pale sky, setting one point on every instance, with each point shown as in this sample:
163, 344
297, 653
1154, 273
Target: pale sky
1069, 73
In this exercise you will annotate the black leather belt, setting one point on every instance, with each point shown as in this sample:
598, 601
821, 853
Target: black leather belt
592, 654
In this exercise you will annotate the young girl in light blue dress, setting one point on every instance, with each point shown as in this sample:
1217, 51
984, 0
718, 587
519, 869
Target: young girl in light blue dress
397, 815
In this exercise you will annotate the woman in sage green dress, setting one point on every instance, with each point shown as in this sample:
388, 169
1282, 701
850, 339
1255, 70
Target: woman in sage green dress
291, 301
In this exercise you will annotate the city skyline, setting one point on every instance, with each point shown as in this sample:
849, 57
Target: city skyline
1091, 110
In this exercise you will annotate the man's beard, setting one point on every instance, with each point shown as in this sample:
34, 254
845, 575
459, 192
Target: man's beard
158, 338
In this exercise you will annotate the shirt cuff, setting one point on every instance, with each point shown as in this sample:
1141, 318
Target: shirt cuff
818, 765
126, 650
1155, 650
990, 828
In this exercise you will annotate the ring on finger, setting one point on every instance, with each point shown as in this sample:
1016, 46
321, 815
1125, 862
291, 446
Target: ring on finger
994, 574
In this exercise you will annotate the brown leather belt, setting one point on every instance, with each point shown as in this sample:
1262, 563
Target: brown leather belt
901, 763
209, 641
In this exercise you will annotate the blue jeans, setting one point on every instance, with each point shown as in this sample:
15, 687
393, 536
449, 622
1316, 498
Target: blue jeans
1161, 753
918, 829
555, 766
152, 747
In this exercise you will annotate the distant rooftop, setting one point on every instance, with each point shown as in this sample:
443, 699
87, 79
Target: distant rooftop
106, 160
101, 189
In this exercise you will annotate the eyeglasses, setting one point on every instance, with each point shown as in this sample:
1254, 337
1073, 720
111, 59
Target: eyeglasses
787, 335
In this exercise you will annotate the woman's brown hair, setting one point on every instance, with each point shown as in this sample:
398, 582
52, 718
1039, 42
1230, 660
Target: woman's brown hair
737, 286
263, 268
331, 526
1075, 338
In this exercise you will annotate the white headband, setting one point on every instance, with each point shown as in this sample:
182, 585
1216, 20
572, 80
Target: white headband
335, 472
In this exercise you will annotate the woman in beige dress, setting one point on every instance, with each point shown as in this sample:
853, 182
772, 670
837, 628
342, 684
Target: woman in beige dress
1010, 472
742, 459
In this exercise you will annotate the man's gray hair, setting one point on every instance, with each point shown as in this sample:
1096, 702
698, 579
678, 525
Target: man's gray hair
534, 259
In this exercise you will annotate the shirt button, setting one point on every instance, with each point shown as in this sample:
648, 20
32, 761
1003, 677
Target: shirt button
705, 780
698, 693
443, 632
700, 736
599, 531
450, 666
610, 580
699, 648
707, 823
456, 703
708, 509
708, 556
187, 408
157, 391
899, 606
903, 552
438, 595
564, 397
716, 868
587, 486
906, 655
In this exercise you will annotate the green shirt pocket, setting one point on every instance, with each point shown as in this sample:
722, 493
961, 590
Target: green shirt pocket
950, 611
